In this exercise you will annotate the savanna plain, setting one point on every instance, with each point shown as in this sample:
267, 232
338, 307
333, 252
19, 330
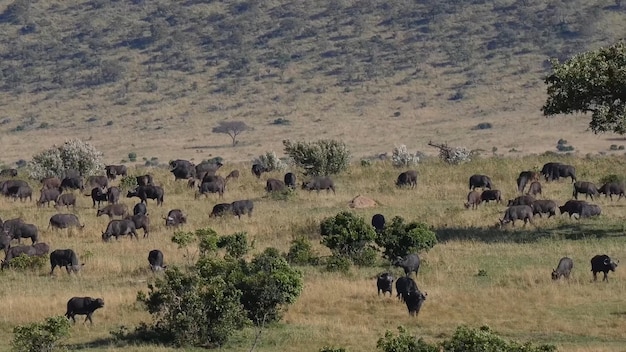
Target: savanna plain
514, 294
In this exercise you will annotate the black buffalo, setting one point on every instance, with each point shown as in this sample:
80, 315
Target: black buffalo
207, 167
378, 222
9, 188
98, 181
407, 178
572, 207
290, 180
589, 189
144, 180
113, 195
473, 200
491, 194
602, 263
554, 171
384, 283
182, 169
534, 189
522, 200
404, 285
525, 177
517, 212
112, 210
410, 264
542, 206
83, 306
319, 183
155, 258
242, 207
23, 230
205, 188
119, 228
589, 210
48, 195
38, 250
611, 188
65, 200
220, 209
23, 192
140, 208
63, 221
50, 183
72, 183
414, 301
141, 221
147, 192
274, 185
480, 181
113, 171
98, 194
65, 258
258, 169
175, 217
564, 268
5, 242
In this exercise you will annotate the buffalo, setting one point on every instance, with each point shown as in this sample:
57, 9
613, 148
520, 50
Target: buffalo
175, 217
63, 221
410, 264
182, 169
378, 222
589, 210
242, 207
491, 194
144, 180
290, 180
384, 283
140, 208
64, 258
587, 188
141, 221
564, 268
220, 209
98, 194
407, 178
50, 183
534, 189
113, 195
602, 263
572, 207
319, 183
65, 200
83, 306
611, 188
258, 169
525, 177
473, 200
274, 185
72, 183
233, 175
113, 171
24, 192
404, 285
205, 188
155, 258
112, 210
517, 212
23, 230
542, 206
5, 242
145, 192
120, 228
480, 181
414, 301
48, 195
522, 200
36, 250
98, 181
208, 167
9, 188
553, 171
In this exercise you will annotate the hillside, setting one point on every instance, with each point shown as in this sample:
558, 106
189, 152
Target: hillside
153, 77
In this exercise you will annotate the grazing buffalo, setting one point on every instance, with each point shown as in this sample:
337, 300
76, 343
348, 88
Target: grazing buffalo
98, 181
404, 285
48, 195
602, 263
23, 192
480, 181
220, 209
145, 192
213, 178
242, 207
564, 268
5, 242
23, 230
319, 183
522, 200
112, 210
491, 194
141, 221
208, 167
274, 185
113, 195
205, 188
145, 180
155, 258
36, 250
542, 206
50, 183
65, 200
587, 188
65, 258
378, 222
72, 183
385, 283
83, 306
258, 169
410, 264
175, 217
98, 194
407, 178
233, 175
589, 210
611, 188
290, 180
63, 221
572, 207
119, 228
140, 208
554, 171
113, 171
525, 177
517, 212
182, 169
10, 225
414, 301
473, 200
10, 187
8, 173
534, 189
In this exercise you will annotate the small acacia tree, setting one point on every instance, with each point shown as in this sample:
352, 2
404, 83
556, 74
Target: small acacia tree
231, 128
73, 154
323, 157
593, 81
348, 235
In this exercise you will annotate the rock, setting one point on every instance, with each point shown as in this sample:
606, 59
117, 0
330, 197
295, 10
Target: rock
360, 202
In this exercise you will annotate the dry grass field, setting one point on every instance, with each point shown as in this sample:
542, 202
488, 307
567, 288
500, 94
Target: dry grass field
516, 297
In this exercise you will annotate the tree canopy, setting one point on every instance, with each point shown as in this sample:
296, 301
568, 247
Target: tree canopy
231, 128
593, 81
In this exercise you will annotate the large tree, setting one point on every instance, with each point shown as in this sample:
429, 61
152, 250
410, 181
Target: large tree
593, 81
231, 128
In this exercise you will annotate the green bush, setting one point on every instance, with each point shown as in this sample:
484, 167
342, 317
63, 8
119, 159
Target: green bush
323, 157
41, 337
399, 239
403, 342
236, 245
348, 235
206, 238
612, 178
73, 154
270, 162
26, 262
132, 156
338, 263
301, 252
128, 182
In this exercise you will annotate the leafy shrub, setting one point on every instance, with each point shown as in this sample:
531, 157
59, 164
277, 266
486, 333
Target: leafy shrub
132, 156
483, 126
366, 162
236, 245
128, 182
301, 252
270, 161
348, 235
281, 121
284, 195
206, 239
403, 342
338, 263
561, 141
564, 148
456, 155
41, 337
73, 154
399, 239
613, 147
26, 262
323, 157
613, 178
401, 157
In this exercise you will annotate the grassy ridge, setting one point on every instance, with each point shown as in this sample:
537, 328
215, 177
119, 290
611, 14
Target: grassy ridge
516, 296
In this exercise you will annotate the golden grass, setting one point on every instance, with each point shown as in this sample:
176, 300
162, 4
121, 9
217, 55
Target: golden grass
516, 297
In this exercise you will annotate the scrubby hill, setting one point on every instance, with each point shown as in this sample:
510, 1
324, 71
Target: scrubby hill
153, 77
